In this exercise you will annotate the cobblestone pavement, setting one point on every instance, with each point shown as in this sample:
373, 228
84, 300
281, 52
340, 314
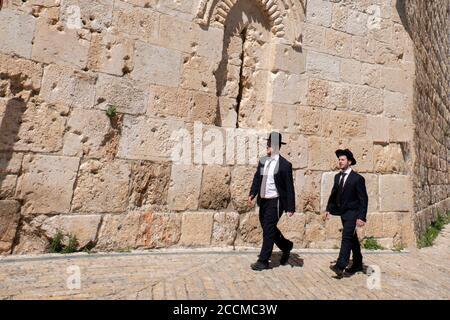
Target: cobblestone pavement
225, 274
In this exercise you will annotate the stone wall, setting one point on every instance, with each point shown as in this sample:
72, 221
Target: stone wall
327, 74
429, 27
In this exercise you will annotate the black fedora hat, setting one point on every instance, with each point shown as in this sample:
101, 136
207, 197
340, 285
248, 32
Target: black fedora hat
276, 136
347, 153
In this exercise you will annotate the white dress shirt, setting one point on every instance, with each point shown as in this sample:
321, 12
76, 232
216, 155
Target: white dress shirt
349, 169
271, 189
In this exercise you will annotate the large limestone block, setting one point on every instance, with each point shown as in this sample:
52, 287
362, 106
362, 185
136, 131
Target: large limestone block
397, 80
374, 225
170, 29
333, 228
314, 36
146, 138
328, 94
149, 183
319, 12
241, 181
323, 66
296, 119
371, 75
395, 105
366, 99
17, 31
250, 231
20, 77
326, 185
139, 229
156, 65
10, 162
111, 53
197, 73
46, 183
289, 88
102, 187
9, 220
54, 43
389, 158
93, 15
307, 187
395, 192
119, 231
204, 108
83, 227
128, 96
400, 131
140, 23
196, 228
321, 153
225, 228
215, 190
170, 102
30, 239
337, 124
293, 228
210, 43
338, 43
289, 59
356, 23
372, 188
86, 133
315, 231
159, 229
69, 87
296, 150
378, 129
351, 71
184, 188
37, 126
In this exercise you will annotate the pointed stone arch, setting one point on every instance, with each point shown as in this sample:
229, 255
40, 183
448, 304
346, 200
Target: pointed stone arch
285, 16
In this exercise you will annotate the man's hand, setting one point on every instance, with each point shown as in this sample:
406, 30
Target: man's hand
290, 214
360, 223
326, 216
251, 201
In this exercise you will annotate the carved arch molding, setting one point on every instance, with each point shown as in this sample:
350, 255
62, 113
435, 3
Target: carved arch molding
285, 16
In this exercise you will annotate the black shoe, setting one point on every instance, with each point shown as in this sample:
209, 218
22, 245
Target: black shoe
259, 265
353, 269
285, 256
339, 272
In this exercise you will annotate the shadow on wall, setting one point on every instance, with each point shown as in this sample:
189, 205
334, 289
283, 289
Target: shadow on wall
9, 130
401, 9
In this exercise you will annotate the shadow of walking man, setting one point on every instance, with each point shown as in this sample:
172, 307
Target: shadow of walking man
294, 260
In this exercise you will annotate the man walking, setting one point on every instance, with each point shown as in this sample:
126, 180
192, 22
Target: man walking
274, 188
349, 200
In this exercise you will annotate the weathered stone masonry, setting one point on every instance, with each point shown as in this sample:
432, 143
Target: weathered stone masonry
370, 75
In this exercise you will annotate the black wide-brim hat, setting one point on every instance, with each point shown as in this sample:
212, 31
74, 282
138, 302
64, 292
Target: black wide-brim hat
347, 153
276, 136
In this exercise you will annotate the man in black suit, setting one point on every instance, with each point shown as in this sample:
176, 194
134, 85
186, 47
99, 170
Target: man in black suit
273, 186
349, 200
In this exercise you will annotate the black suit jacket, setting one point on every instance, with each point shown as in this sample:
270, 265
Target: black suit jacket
354, 200
283, 181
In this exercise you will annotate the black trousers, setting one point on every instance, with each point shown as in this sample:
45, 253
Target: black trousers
269, 214
349, 243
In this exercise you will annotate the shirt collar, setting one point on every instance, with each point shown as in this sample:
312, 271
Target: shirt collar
347, 172
275, 157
